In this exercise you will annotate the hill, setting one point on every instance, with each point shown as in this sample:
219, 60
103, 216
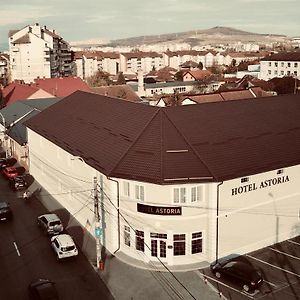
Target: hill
215, 35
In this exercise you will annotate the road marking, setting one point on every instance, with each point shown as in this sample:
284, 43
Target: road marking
270, 283
18, 252
226, 285
281, 252
262, 261
293, 242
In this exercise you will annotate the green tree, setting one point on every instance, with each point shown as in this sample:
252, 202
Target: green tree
99, 79
121, 79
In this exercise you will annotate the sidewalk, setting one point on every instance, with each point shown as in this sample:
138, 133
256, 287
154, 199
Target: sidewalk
132, 283
126, 281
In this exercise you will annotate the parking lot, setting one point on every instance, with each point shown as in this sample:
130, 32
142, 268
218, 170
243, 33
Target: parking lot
280, 266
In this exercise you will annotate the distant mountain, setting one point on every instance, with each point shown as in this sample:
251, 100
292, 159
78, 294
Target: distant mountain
215, 35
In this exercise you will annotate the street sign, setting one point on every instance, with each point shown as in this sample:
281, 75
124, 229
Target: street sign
98, 231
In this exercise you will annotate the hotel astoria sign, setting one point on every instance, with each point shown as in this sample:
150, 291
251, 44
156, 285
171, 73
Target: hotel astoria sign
158, 210
263, 184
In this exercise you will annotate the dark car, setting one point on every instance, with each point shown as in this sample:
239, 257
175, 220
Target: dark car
18, 183
42, 289
5, 211
7, 162
240, 272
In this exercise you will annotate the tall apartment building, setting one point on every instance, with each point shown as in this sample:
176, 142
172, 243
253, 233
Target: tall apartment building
36, 51
280, 65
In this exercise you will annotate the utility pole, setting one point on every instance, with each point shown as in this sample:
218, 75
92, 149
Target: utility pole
98, 228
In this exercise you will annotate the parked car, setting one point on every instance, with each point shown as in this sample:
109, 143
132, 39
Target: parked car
7, 162
64, 246
42, 289
5, 211
50, 224
239, 272
10, 172
18, 183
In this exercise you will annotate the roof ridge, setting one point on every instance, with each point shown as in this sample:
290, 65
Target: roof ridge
195, 152
134, 142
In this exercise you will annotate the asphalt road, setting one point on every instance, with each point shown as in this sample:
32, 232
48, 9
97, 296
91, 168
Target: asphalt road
26, 255
280, 267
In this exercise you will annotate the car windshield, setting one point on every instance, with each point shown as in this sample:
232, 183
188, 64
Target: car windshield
68, 248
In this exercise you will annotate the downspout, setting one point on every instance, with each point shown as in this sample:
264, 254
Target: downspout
118, 209
217, 223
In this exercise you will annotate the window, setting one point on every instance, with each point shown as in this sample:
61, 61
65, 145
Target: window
295, 73
270, 64
276, 64
295, 65
269, 72
197, 242
179, 195
282, 64
179, 244
126, 188
288, 73
139, 240
127, 235
289, 65
139, 192
196, 193
244, 179
275, 72
282, 72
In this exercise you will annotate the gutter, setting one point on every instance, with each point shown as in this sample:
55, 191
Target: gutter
217, 223
118, 209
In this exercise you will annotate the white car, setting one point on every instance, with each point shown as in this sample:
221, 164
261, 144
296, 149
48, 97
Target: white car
64, 246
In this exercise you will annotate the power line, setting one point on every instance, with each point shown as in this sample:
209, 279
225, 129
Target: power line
160, 261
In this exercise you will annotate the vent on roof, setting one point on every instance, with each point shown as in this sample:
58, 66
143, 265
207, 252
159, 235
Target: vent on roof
244, 179
177, 151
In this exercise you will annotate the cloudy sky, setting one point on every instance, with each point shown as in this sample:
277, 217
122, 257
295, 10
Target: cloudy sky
87, 19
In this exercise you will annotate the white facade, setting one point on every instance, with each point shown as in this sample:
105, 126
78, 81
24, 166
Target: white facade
271, 69
182, 224
35, 52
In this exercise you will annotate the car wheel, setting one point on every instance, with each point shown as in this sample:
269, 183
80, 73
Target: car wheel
246, 288
218, 274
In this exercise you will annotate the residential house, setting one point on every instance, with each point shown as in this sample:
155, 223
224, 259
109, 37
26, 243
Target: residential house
36, 51
181, 186
18, 90
4, 69
280, 65
13, 133
131, 62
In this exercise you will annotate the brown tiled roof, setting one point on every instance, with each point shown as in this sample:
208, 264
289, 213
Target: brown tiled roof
189, 64
205, 98
164, 145
123, 91
198, 74
25, 39
284, 56
140, 54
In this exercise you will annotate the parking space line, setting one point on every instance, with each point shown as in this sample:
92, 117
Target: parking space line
289, 255
16, 247
293, 242
270, 283
262, 261
226, 285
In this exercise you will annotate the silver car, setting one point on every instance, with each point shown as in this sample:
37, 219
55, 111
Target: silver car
50, 224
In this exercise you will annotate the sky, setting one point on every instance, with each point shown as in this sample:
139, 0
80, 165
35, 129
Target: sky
77, 20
